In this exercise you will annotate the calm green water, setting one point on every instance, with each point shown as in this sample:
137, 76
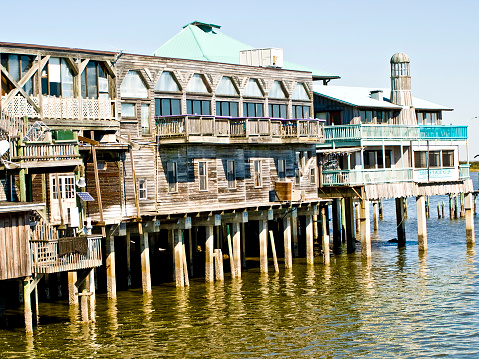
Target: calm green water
399, 304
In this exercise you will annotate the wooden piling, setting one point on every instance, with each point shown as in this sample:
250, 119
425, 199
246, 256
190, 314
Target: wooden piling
294, 235
219, 273
350, 232
178, 245
209, 274
469, 219
325, 239
442, 209
263, 246
110, 266
375, 216
438, 211
273, 250
421, 223
92, 289
343, 220
365, 231
356, 207
230, 252
336, 211
128, 258
475, 195
185, 264
243, 245
463, 210
145, 263
451, 207
455, 208
401, 222
72, 290
237, 248
27, 306
288, 255
309, 240
380, 208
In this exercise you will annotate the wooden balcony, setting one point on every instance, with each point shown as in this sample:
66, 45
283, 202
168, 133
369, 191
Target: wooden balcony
211, 129
357, 132
363, 177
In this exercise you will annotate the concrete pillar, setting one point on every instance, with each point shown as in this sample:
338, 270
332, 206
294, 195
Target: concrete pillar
145, 263
128, 258
263, 246
209, 273
178, 241
288, 255
365, 229
469, 213
27, 306
336, 209
401, 222
350, 232
326, 255
309, 240
375, 216
110, 266
294, 236
421, 223
236, 229
72, 290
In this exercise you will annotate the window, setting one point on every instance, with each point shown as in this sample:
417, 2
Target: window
172, 177
420, 159
300, 92
167, 83
128, 110
17, 66
258, 181
231, 174
312, 175
434, 159
167, 106
198, 107
203, 175
447, 158
226, 87
278, 111
300, 111
366, 116
374, 159
276, 91
252, 109
420, 118
57, 78
197, 84
101, 165
142, 189
252, 89
226, 108
145, 119
133, 86
281, 170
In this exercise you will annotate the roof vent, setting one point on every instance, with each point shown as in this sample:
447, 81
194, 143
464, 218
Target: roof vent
377, 95
270, 57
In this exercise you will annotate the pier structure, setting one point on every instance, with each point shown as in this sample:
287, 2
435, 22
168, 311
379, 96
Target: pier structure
378, 147
207, 158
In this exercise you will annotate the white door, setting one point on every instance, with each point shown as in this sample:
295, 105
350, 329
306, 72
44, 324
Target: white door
60, 212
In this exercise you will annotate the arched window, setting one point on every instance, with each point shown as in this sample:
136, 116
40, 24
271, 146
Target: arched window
197, 84
277, 91
133, 86
252, 89
300, 92
226, 87
167, 83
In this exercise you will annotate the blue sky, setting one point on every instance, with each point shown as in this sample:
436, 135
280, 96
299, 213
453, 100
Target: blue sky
354, 39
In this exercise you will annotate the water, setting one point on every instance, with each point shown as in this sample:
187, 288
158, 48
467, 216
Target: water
399, 304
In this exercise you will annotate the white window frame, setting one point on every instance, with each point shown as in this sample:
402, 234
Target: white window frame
231, 182
258, 178
281, 170
203, 175
142, 189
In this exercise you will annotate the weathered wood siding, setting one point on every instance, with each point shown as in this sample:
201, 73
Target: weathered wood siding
15, 261
189, 198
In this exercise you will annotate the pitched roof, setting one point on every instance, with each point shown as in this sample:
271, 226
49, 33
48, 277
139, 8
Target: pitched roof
360, 97
203, 42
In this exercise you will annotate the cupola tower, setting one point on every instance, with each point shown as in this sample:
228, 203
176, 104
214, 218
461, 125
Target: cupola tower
401, 88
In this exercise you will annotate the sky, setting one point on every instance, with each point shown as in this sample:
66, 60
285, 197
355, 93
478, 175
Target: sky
354, 39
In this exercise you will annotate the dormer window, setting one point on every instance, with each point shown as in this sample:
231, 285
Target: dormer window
226, 87
197, 85
167, 83
300, 92
133, 86
277, 91
252, 89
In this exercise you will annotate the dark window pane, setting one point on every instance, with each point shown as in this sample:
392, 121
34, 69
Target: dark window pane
175, 107
45, 86
165, 107
251, 111
283, 111
157, 107
234, 109
92, 79
306, 112
259, 110
225, 108
245, 109
197, 107
218, 108
83, 84
205, 106
55, 89
276, 111
189, 107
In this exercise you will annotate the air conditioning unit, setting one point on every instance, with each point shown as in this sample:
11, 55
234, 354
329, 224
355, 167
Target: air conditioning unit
270, 57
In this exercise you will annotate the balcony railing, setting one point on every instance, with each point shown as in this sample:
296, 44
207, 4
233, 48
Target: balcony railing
188, 127
65, 254
368, 176
61, 108
43, 152
396, 132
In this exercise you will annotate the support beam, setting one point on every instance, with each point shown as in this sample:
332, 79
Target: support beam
350, 232
325, 232
209, 257
145, 263
309, 240
365, 229
288, 255
237, 248
336, 209
263, 246
110, 266
243, 245
128, 258
401, 222
469, 213
179, 275
421, 223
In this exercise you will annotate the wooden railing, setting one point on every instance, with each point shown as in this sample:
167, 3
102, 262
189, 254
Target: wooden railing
363, 177
48, 256
12, 124
61, 108
397, 132
186, 126
45, 151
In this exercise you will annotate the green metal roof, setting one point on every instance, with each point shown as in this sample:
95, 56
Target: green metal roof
203, 42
